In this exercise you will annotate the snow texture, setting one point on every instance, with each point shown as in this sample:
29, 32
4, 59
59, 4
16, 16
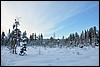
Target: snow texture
39, 56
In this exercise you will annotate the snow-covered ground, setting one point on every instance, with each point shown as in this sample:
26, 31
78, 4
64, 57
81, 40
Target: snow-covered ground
39, 56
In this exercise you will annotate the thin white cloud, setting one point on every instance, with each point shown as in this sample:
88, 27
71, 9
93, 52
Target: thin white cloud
69, 14
41, 17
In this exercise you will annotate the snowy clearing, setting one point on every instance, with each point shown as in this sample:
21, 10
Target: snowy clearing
39, 56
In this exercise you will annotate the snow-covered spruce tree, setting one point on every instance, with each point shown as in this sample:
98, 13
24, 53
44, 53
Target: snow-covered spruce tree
14, 37
24, 40
24, 37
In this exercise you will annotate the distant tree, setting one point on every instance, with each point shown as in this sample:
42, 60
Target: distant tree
86, 37
39, 43
94, 35
3, 38
98, 37
51, 43
35, 36
51, 38
73, 38
31, 38
63, 37
70, 37
25, 36
3, 34
76, 38
63, 41
41, 37
6, 41
90, 35
82, 38
66, 41
58, 41
9, 30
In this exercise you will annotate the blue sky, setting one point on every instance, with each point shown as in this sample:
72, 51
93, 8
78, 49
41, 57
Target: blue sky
49, 17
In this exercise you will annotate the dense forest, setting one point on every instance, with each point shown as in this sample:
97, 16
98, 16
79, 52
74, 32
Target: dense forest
89, 37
